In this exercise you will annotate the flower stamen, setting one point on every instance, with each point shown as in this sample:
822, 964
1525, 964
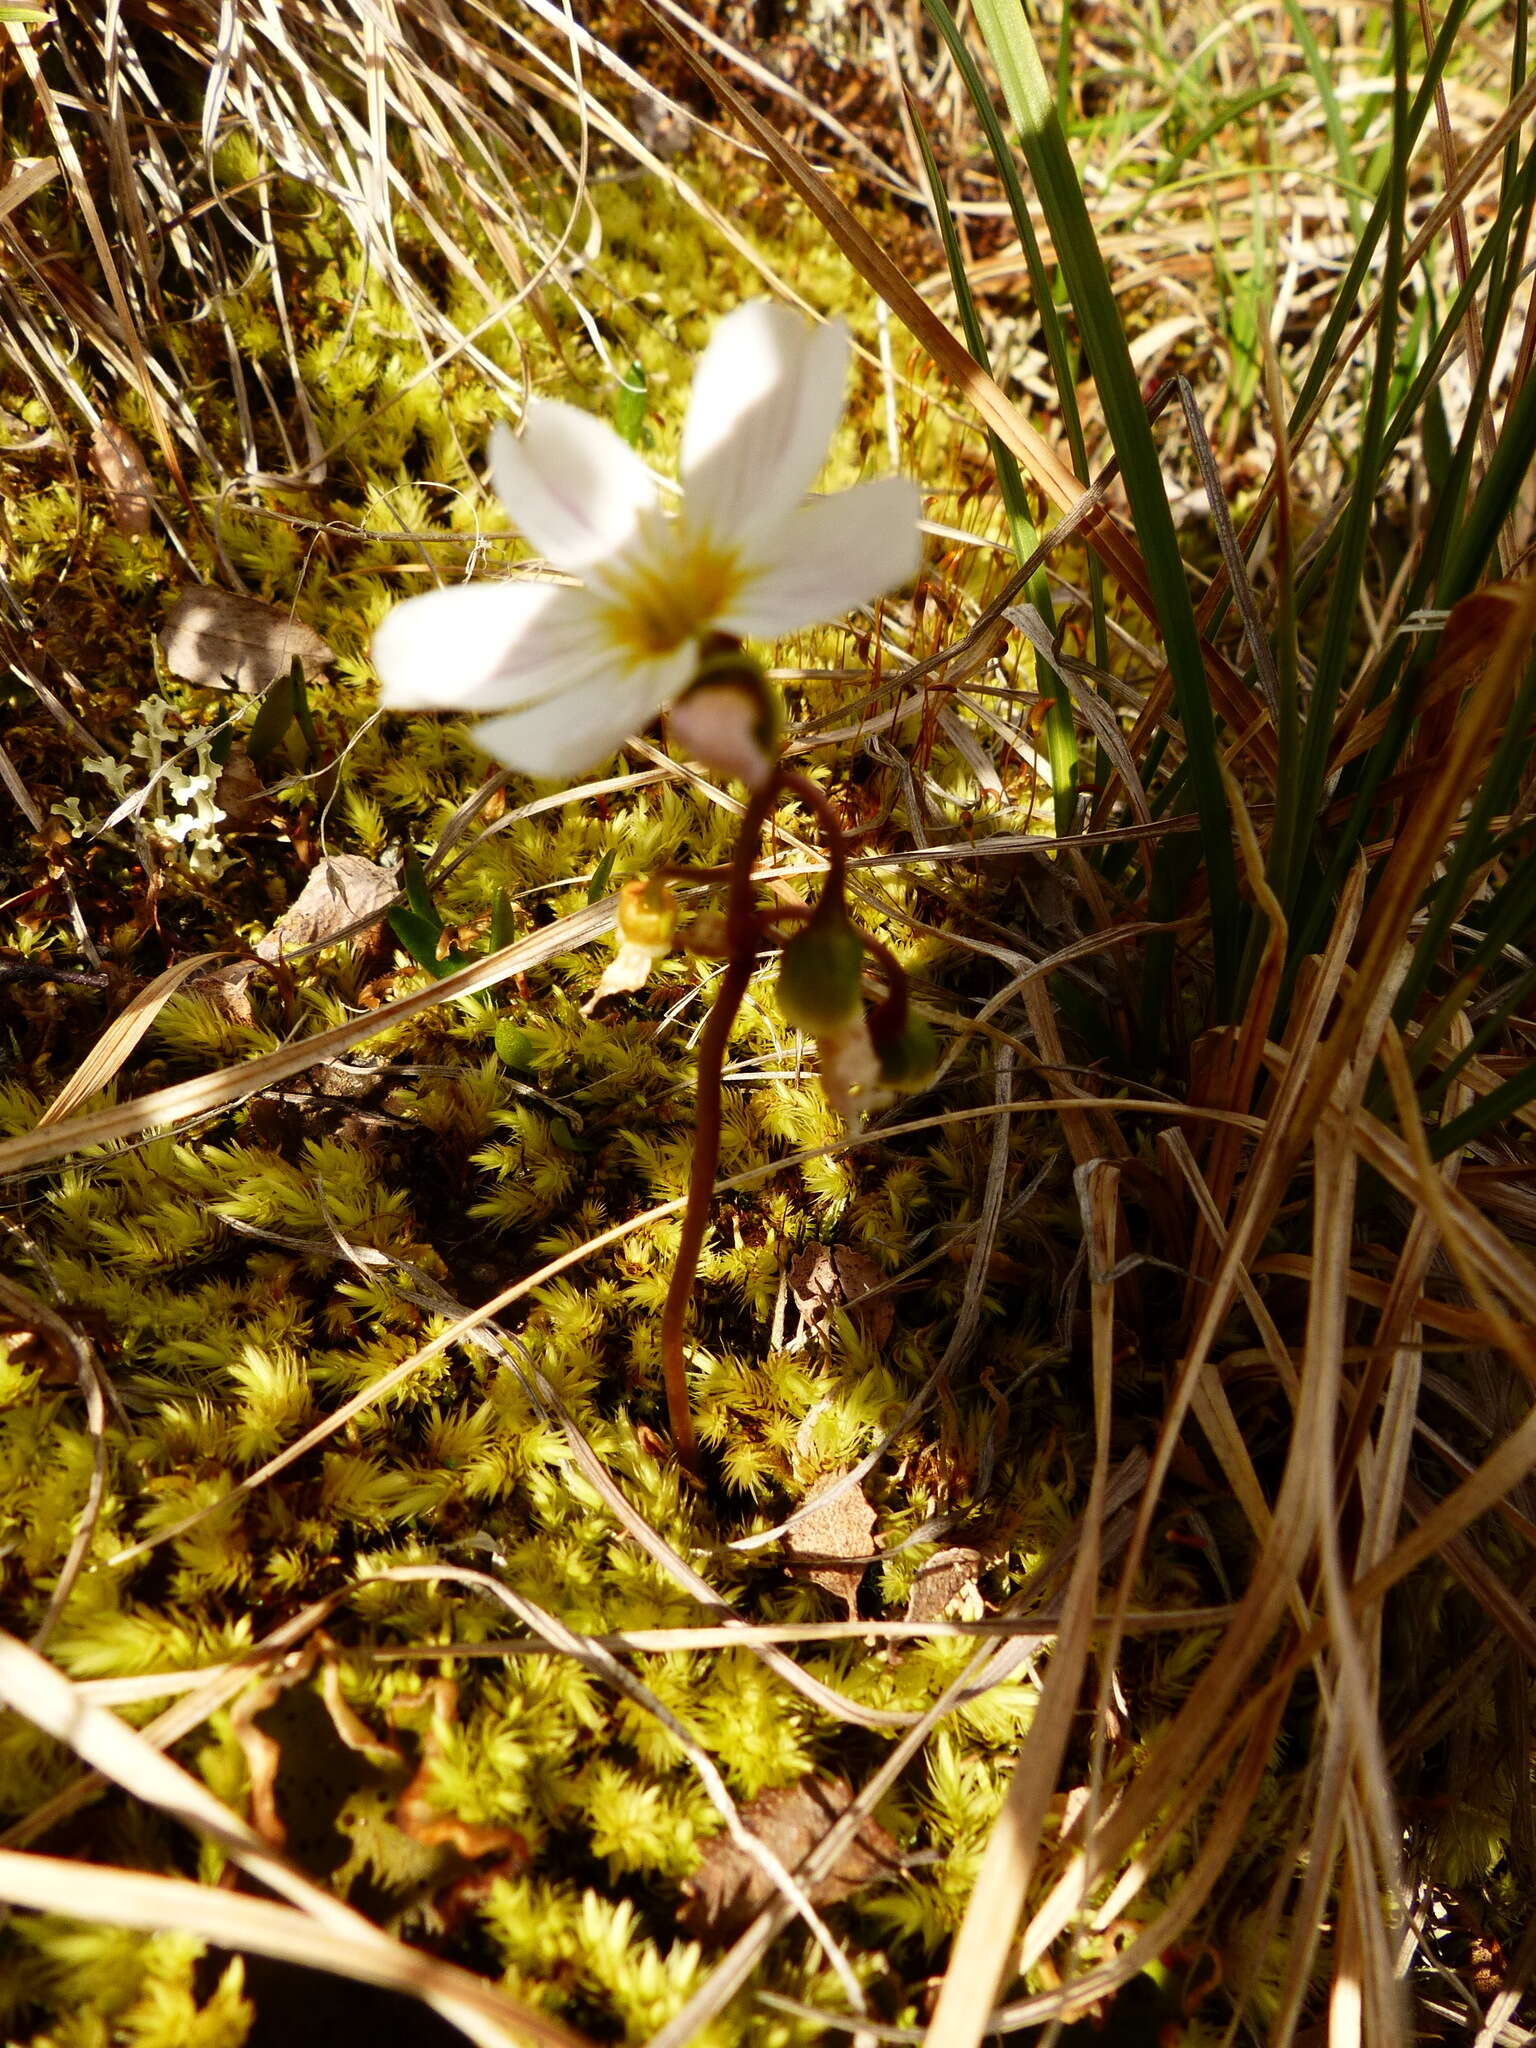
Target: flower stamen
667, 590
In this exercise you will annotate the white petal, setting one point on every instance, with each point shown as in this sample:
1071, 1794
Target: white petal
478, 646
580, 728
570, 483
831, 555
766, 399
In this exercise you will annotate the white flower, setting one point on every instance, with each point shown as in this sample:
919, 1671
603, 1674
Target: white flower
571, 673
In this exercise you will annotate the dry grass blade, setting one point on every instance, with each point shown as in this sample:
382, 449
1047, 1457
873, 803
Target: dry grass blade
747, 1951
233, 1084
471, 1320
607, 1667
211, 1693
984, 1945
31, 1686
1352, 1812
877, 268
397, 218
69, 1343
1114, 547
1038, 1631
124, 1898
117, 1042
24, 181
1209, 1723
84, 197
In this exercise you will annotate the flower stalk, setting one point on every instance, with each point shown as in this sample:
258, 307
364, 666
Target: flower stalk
865, 1060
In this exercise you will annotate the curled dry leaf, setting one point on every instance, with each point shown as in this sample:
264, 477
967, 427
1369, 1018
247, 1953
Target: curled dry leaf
241, 793
212, 637
434, 1829
306, 1753
824, 1278
420, 1814
344, 894
119, 461
729, 1888
629, 969
228, 989
946, 1584
844, 1526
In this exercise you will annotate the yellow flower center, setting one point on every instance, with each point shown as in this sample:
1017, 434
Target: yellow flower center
668, 587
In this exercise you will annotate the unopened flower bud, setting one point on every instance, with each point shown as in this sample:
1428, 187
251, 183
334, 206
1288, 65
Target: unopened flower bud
647, 915
821, 972
731, 719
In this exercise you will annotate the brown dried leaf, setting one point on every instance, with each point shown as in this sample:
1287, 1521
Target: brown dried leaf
434, 1829
946, 1580
241, 793
211, 636
343, 894
119, 461
824, 1278
228, 989
861, 1275
665, 128
298, 1781
813, 1284
844, 1527
728, 1889
431, 1825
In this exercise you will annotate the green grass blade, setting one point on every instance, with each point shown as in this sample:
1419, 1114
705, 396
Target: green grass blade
1495, 498
1060, 726
1333, 114
1488, 1032
1512, 909
1033, 107
1486, 1114
1058, 346
1298, 807
1353, 284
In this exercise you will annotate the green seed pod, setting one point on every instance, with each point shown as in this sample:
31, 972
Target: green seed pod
908, 1057
821, 972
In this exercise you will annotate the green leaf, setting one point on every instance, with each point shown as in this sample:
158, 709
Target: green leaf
501, 922
420, 937
1060, 726
1034, 110
597, 887
629, 408
417, 894
286, 701
273, 717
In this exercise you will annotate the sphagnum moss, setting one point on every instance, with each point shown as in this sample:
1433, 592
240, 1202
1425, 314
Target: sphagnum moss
224, 1276
217, 1272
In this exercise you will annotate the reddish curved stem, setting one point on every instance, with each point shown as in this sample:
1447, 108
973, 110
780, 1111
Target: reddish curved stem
741, 933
